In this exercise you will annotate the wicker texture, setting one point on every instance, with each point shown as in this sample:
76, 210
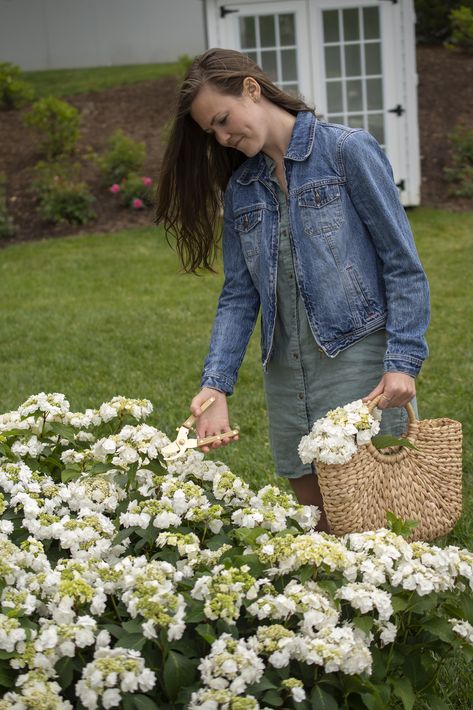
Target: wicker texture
422, 484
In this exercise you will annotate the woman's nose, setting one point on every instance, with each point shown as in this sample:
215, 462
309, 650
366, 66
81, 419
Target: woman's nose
223, 137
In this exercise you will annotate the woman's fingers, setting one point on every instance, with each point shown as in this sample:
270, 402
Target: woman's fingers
396, 390
214, 421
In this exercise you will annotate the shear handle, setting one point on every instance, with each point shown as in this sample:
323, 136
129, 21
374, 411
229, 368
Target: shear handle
218, 437
190, 421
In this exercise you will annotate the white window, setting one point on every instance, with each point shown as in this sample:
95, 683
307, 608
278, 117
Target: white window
270, 40
353, 68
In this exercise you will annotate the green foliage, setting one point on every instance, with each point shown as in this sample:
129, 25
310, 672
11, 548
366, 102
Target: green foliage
122, 157
433, 20
462, 29
58, 123
14, 90
460, 170
134, 191
62, 196
6, 223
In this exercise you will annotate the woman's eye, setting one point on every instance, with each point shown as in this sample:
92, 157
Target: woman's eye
222, 121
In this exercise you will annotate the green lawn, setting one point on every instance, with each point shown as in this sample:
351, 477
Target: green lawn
94, 316
66, 82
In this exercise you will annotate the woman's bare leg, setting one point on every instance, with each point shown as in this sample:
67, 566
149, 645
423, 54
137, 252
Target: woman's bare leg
307, 492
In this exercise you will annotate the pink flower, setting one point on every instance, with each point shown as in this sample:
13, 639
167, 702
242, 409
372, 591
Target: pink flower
115, 188
137, 204
146, 181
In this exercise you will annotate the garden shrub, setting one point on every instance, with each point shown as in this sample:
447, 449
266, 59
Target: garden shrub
14, 90
460, 170
462, 29
433, 20
62, 196
58, 123
134, 191
6, 223
122, 157
132, 584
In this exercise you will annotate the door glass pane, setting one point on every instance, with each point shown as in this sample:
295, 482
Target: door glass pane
354, 95
267, 31
289, 65
374, 94
271, 41
351, 27
333, 65
292, 89
373, 58
356, 121
371, 22
337, 118
331, 30
335, 96
247, 32
287, 29
269, 64
376, 126
352, 60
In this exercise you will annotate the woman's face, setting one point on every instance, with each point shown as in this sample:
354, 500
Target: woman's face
235, 121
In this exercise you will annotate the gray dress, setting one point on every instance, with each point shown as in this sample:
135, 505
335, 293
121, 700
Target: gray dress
301, 382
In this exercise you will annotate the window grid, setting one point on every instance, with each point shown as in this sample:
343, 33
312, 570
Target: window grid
278, 47
349, 116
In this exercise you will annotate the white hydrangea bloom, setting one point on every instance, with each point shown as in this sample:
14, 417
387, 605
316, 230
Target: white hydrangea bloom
334, 438
231, 665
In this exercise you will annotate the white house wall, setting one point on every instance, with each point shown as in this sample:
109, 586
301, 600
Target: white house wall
54, 34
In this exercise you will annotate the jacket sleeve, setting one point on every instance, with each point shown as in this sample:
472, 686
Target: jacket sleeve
374, 194
237, 312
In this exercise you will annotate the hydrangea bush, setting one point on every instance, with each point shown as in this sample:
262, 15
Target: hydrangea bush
126, 583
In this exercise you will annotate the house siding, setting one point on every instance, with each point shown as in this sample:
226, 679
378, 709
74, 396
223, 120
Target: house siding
62, 34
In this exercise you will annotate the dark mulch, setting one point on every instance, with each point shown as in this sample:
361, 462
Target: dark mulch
445, 98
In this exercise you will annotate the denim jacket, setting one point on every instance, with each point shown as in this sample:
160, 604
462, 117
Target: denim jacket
355, 260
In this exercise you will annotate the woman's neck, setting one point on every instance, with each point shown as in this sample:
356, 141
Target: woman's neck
280, 123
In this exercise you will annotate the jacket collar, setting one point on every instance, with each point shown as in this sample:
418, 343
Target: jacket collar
299, 148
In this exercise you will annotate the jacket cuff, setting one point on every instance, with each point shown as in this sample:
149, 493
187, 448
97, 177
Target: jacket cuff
217, 381
402, 363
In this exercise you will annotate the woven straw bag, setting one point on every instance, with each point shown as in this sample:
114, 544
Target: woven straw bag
422, 484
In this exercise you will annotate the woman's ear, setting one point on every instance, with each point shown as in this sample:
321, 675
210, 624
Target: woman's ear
251, 88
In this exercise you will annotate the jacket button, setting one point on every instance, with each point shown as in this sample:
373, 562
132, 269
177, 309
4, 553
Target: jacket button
295, 356
301, 395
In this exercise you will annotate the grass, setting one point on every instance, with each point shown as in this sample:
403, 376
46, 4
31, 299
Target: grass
97, 315
66, 82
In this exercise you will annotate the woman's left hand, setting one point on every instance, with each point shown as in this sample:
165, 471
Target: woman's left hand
396, 388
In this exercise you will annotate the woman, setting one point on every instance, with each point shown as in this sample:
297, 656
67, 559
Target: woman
314, 235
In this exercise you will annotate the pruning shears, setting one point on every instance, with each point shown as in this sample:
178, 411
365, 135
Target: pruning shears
179, 446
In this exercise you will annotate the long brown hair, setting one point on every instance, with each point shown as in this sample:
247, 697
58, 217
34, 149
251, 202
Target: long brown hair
196, 168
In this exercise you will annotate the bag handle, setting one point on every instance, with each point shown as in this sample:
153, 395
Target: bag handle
408, 407
411, 435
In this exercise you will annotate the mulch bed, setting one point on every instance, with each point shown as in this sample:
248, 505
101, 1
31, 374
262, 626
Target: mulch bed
445, 97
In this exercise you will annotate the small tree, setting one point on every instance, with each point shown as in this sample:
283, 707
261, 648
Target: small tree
462, 29
58, 122
14, 91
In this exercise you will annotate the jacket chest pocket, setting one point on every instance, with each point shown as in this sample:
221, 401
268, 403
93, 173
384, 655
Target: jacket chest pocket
321, 209
249, 225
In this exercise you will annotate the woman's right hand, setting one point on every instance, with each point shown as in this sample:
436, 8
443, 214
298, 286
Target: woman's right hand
214, 420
